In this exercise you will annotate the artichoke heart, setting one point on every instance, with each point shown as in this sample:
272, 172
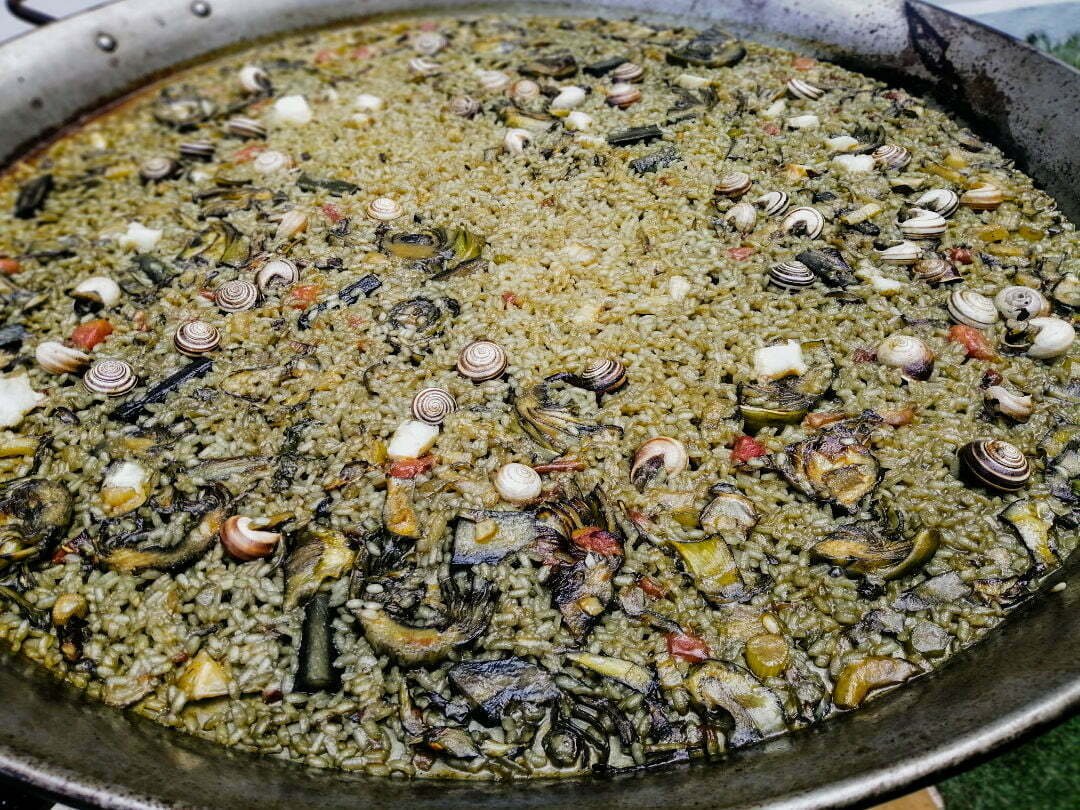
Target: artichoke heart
319, 555
870, 548
219, 243
712, 565
786, 401
836, 467
859, 678
753, 707
712, 48
550, 425
1032, 519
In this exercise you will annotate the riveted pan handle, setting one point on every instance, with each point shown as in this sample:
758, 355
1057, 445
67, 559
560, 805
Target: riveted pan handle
30, 15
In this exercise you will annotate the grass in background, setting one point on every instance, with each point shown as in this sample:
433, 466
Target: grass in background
1067, 50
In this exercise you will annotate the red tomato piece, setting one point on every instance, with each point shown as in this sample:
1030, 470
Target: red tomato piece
803, 62
248, 153
411, 467
740, 254
652, 587
302, 296
592, 538
687, 647
746, 448
9, 266
88, 335
973, 341
959, 255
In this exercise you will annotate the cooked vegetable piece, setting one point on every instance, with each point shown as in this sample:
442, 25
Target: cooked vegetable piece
859, 678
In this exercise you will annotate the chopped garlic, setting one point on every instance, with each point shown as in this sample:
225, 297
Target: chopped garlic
678, 288
366, 102
581, 254
412, 439
689, 81
292, 110
809, 121
774, 110
782, 360
854, 163
576, 121
842, 143
880, 283
17, 399
139, 237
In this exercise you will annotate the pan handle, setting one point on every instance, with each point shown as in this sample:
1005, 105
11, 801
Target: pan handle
30, 15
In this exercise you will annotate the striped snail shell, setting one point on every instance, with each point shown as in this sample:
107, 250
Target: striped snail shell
791, 275
936, 270
984, 198
196, 337
433, 405
774, 203
742, 217
942, 200
909, 354
904, 253
1021, 303
493, 80
517, 483
158, 168
276, 273
891, 156
428, 43
271, 161
112, 378
422, 66
972, 309
924, 224
245, 542
996, 464
804, 220
622, 95
627, 72
482, 360
734, 185
56, 358
524, 90
798, 88
245, 127
197, 150
236, 296
464, 106
384, 209
603, 375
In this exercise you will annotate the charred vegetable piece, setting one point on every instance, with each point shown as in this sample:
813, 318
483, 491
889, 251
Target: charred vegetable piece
517, 118
829, 265
493, 687
337, 188
582, 592
220, 202
347, 295
451, 742
319, 554
418, 321
627, 673
133, 409
660, 159
32, 196
469, 613
836, 467
712, 48
316, 672
550, 425
712, 565
219, 243
730, 513
1063, 478
399, 515
149, 271
489, 536
629, 137
878, 547
1032, 519
604, 66
555, 66
34, 516
460, 251
173, 558
788, 400
767, 654
754, 709
860, 678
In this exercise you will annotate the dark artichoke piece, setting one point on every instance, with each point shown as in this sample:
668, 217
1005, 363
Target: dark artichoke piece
1032, 519
583, 592
878, 547
316, 671
318, 555
32, 196
211, 509
604, 66
869, 137
786, 401
419, 320
712, 48
836, 467
629, 137
829, 265
133, 409
365, 286
489, 536
1063, 477
556, 66
531, 120
336, 188
493, 687
422, 245
550, 425
859, 678
150, 271
663, 157
940, 590
754, 709
12, 337
451, 742
219, 243
220, 202
35, 513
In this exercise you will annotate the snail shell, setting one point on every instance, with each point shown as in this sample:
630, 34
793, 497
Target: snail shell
518, 483
158, 168
384, 209
774, 203
292, 223
936, 270
428, 43
984, 198
996, 464
112, 378
196, 337
909, 354
742, 217
433, 405
734, 185
236, 296
658, 453
244, 127
100, 290
942, 200
197, 150
524, 90
493, 80
254, 79
56, 358
244, 541
891, 156
904, 253
276, 273
627, 72
1014, 405
482, 360
1021, 303
516, 140
791, 275
804, 220
464, 106
798, 88
972, 308
271, 161
422, 66
622, 95
603, 376
1054, 338
924, 224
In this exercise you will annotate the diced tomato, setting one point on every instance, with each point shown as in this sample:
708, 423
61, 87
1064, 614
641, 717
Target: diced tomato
803, 62
652, 587
302, 296
592, 538
90, 334
363, 52
411, 467
973, 341
746, 448
894, 95
740, 254
687, 647
959, 255
324, 56
510, 299
206, 293
332, 213
863, 356
770, 128
9, 266
429, 25
248, 153
900, 416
